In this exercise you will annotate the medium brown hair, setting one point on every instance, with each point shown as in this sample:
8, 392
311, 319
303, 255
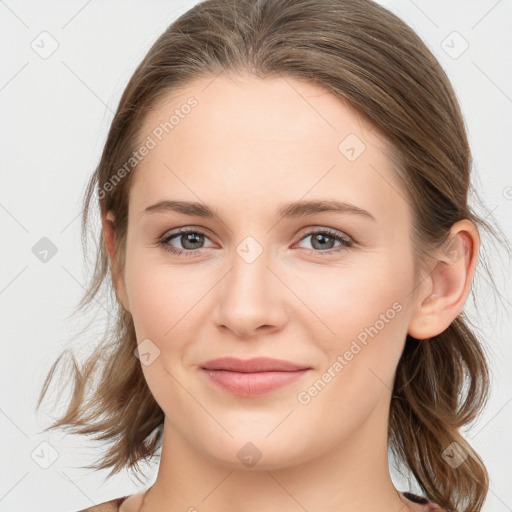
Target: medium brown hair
372, 60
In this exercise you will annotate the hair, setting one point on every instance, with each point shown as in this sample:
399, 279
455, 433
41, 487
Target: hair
370, 59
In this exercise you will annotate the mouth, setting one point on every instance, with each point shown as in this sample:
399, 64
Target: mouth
252, 377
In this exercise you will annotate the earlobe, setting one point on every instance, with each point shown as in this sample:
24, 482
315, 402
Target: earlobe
109, 234
446, 288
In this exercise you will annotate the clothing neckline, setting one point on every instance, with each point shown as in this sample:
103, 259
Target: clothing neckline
415, 498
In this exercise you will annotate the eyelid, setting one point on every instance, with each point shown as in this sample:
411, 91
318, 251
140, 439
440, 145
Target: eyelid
346, 241
310, 230
172, 234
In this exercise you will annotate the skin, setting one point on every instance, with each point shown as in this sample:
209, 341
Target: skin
250, 146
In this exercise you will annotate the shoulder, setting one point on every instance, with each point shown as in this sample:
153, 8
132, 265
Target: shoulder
107, 506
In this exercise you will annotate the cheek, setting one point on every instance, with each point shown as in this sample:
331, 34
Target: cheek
157, 296
371, 322
366, 311
345, 300
161, 307
167, 303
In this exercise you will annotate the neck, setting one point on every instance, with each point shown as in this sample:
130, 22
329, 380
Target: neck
352, 476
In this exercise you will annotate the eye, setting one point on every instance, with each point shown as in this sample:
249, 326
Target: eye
323, 240
190, 240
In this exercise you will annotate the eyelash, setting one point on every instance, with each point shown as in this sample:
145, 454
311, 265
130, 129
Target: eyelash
345, 241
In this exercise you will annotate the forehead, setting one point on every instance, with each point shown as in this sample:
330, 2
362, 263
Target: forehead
278, 109
259, 139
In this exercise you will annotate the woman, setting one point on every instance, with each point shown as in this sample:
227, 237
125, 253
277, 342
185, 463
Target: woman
283, 195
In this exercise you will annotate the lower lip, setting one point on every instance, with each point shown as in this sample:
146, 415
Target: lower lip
252, 384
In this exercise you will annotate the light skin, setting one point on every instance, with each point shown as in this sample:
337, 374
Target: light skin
248, 148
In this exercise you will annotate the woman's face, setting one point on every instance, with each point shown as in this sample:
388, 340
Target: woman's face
304, 256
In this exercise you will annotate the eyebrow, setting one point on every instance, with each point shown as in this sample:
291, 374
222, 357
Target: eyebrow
294, 209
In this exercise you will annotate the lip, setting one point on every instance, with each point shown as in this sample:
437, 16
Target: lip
252, 377
256, 364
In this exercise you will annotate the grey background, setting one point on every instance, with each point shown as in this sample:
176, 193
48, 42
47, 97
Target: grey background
56, 110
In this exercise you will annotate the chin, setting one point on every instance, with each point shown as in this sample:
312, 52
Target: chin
256, 452
267, 462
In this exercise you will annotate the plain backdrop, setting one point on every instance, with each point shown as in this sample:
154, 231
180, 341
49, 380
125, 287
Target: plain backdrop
64, 67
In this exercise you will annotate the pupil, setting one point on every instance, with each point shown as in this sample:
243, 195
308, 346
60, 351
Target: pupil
324, 239
192, 238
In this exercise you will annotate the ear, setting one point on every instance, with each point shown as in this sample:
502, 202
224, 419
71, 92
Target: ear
442, 294
109, 236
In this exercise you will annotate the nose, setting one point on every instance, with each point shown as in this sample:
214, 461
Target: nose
251, 299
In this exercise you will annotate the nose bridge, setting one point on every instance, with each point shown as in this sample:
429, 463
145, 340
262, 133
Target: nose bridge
248, 280
248, 297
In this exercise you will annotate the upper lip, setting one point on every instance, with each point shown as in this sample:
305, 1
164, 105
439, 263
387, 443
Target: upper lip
257, 364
